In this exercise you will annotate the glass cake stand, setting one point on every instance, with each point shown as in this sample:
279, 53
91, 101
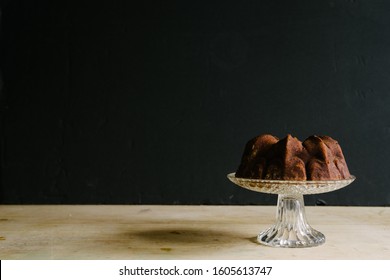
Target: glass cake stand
291, 229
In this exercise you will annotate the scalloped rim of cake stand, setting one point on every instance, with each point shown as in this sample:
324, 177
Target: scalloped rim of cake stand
290, 187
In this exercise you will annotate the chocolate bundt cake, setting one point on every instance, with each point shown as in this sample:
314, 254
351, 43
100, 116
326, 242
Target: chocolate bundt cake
317, 158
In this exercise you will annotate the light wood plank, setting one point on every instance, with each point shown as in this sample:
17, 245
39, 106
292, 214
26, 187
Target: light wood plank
183, 232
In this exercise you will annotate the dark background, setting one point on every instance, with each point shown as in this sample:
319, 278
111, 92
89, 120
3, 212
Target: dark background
112, 102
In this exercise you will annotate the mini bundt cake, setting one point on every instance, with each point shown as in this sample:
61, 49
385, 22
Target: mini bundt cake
317, 158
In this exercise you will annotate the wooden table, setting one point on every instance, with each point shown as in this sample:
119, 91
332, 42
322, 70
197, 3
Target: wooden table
183, 232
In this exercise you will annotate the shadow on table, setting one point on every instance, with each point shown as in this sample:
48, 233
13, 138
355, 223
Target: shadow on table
184, 242
188, 236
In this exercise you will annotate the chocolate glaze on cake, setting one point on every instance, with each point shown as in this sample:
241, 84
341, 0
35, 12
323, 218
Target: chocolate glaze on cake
317, 158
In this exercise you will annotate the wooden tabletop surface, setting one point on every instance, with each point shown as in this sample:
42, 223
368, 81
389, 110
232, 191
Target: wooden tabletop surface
183, 232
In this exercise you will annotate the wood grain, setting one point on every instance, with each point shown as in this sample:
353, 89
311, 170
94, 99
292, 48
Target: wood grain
183, 232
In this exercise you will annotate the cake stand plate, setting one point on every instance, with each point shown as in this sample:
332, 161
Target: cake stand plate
291, 229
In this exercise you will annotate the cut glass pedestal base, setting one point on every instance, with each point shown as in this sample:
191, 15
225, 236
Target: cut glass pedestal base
291, 228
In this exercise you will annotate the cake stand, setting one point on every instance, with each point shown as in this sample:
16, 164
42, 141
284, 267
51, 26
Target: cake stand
291, 229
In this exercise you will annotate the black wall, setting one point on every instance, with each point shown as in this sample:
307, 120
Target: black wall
112, 102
